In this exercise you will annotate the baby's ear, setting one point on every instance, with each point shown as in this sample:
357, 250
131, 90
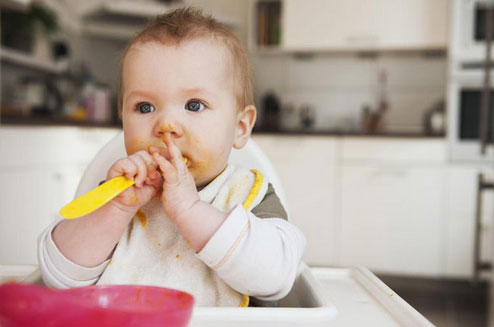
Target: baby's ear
245, 122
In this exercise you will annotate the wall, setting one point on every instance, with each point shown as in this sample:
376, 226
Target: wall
338, 86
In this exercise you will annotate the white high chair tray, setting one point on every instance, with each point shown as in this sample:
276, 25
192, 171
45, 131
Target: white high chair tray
362, 299
320, 297
305, 305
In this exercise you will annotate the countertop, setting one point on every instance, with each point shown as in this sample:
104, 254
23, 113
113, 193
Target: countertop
335, 132
23, 121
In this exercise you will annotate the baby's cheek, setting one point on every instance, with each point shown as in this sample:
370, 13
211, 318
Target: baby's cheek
134, 145
137, 144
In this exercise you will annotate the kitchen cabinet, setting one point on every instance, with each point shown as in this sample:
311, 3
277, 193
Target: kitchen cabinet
307, 169
392, 220
395, 205
39, 172
392, 213
27, 204
355, 25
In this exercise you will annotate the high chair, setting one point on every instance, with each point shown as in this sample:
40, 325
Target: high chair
321, 301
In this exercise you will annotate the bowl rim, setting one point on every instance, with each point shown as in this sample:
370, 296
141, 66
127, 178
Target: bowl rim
91, 304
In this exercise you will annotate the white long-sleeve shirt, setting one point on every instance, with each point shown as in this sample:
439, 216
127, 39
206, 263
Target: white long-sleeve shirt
255, 252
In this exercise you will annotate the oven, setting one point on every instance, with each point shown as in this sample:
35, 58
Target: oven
469, 30
466, 120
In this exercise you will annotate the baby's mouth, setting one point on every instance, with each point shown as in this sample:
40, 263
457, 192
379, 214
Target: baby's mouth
185, 158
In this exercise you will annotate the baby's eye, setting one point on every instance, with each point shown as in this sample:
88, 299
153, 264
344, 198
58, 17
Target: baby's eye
195, 105
145, 107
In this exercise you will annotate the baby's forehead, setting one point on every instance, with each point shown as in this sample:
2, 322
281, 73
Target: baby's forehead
199, 63
193, 50
205, 60
199, 55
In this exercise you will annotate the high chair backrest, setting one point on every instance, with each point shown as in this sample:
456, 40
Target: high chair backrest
250, 156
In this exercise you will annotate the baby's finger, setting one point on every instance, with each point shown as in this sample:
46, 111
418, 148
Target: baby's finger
150, 164
142, 170
123, 167
168, 170
161, 150
176, 156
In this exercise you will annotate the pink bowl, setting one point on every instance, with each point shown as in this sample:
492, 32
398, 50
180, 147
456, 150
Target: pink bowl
106, 305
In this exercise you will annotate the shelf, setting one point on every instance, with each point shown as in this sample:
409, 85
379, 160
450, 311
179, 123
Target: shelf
342, 133
29, 61
121, 20
148, 9
136, 8
111, 31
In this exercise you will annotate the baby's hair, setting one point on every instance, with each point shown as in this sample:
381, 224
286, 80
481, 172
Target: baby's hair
188, 23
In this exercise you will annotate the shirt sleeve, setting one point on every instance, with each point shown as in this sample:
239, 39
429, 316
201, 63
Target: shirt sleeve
256, 256
270, 206
60, 272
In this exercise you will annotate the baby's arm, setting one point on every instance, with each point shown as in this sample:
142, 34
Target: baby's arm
196, 221
258, 257
89, 241
257, 253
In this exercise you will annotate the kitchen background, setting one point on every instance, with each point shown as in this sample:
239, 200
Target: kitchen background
367, 94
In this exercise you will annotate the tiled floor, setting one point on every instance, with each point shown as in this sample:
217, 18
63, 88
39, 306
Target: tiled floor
445, 303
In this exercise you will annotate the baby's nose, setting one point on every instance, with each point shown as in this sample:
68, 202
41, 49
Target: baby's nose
174, 128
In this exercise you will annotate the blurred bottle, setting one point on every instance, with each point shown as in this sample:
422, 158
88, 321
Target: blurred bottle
95, 99
270, 112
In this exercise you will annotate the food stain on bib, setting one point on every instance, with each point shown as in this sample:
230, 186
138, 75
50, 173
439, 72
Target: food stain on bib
233, 194
142, 218
178, 256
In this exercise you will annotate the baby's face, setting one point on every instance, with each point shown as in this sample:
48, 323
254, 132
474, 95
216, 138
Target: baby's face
188, 91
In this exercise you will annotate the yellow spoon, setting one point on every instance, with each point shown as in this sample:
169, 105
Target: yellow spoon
97, 198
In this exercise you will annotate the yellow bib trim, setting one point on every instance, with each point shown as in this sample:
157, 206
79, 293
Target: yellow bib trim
255, 189
245, 301
247, 203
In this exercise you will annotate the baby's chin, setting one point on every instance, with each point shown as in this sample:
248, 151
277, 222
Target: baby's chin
203, 179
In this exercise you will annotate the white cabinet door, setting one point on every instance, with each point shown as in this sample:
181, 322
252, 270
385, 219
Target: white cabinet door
392, 218
39, 173
365, 25
307, 169
28, 199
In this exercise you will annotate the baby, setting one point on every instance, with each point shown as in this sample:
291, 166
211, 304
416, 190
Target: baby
191, 221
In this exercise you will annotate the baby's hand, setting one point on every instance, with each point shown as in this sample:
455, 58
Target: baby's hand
140, 167
179, 189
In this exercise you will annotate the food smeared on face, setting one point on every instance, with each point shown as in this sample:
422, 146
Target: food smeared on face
204, 136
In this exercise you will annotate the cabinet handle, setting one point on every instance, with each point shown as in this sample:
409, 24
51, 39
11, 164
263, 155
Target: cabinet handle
478, 265
484, 109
